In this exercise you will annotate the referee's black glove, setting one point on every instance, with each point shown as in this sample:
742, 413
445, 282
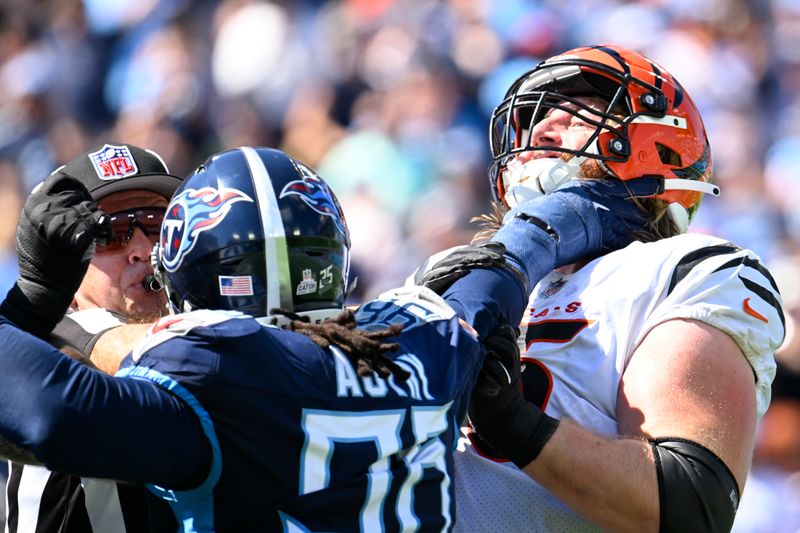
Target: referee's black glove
498, 410
55, 242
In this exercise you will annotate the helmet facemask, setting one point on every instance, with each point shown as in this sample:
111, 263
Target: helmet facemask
643, 124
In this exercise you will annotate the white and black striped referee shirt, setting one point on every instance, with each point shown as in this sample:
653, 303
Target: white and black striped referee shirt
41, 501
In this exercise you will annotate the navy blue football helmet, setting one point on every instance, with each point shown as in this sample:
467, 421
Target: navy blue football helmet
251, 230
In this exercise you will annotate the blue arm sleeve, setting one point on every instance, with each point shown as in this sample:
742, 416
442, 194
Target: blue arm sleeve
487, 296
484, 297
79, 421
530, 248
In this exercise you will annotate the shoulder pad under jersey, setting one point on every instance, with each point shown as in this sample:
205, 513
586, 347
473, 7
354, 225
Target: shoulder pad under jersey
172, 326
410, 306
730, 289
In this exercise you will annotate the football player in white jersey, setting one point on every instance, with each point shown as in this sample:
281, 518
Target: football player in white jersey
644, 370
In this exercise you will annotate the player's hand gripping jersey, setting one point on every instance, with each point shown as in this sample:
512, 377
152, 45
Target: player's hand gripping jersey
578, 335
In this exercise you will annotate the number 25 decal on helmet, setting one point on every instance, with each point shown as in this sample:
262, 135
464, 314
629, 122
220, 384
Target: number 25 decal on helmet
646, 123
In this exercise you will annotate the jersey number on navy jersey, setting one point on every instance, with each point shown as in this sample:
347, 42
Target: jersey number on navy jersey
325, 428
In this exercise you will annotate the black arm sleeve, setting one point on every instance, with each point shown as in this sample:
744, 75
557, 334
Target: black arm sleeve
697, 491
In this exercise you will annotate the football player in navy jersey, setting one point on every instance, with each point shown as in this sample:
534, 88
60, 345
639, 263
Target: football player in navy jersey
263, 406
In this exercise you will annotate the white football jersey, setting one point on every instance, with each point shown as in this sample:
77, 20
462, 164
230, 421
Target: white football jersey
578, 335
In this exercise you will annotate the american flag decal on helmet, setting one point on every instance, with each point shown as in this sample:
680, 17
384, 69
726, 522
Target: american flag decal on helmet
235, 285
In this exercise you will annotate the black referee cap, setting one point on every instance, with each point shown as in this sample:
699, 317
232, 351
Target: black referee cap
110, 168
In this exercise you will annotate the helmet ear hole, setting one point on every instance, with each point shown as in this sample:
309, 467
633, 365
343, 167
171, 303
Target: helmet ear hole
668, 156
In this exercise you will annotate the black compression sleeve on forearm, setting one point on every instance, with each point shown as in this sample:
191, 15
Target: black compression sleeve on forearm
20, 307
513, 426
533, 429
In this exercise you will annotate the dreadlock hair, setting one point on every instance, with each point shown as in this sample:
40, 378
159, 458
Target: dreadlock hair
365, 350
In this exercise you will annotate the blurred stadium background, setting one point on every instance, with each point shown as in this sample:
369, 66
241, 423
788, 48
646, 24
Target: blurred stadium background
389, 100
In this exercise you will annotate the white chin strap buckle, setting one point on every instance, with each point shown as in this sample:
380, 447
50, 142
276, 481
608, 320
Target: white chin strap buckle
537, 177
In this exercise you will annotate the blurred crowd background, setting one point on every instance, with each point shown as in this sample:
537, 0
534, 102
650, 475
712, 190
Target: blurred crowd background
389, 100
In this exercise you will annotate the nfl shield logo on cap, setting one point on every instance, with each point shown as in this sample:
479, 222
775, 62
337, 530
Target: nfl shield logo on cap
112, 162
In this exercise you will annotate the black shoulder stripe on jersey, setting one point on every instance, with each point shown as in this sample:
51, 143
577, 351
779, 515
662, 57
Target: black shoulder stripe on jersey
765, 295
692, 259
558, 331
752, 263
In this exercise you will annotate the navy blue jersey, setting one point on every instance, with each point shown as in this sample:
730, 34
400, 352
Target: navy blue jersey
304, 440
246, 427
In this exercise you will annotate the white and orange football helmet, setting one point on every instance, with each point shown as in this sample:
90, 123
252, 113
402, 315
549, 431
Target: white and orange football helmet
650, 127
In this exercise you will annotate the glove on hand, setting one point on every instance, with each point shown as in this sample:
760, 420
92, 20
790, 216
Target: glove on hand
502, 359
55, 241
586, 218
458, 264
498, 410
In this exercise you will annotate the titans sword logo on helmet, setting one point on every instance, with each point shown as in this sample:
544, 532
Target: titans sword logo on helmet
316, 194
190, 213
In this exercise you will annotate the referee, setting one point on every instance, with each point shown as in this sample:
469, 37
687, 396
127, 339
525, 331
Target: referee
133, 186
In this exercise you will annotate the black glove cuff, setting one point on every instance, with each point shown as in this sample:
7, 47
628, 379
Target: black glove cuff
539, 428
513, 426
34, 314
